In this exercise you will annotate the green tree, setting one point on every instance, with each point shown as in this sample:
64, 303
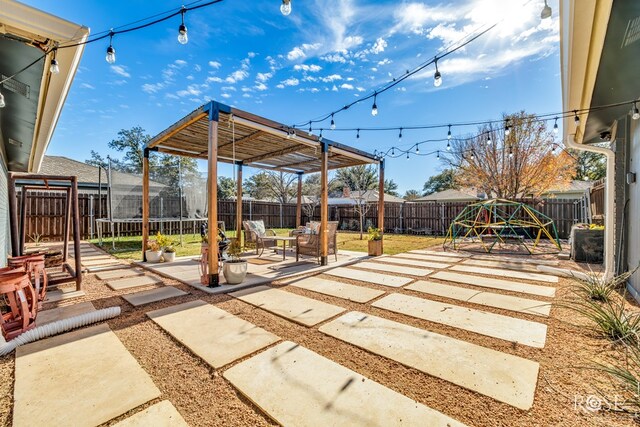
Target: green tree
411, 195
358, 178
445, 180
226, 188
590, 166
131, 142
390, 187
97, 160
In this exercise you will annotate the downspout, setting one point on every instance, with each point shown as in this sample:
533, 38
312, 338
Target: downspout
609, 212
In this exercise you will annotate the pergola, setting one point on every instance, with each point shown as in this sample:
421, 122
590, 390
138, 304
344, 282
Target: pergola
220, 133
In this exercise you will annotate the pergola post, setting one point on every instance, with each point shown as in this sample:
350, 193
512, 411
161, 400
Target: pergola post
381, 201
299, 202
324, 203
212, 197
239, 205
145, 203
76, 231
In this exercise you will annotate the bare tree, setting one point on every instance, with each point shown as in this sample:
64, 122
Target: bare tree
274, 185
359, 179
524, 163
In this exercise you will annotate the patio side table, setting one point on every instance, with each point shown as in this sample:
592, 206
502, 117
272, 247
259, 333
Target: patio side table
284, 240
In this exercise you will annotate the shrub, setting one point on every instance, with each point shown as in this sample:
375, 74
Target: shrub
625, 373
374, 233
153, 246
597, 288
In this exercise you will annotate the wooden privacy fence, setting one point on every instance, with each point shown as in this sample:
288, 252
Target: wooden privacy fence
45, 216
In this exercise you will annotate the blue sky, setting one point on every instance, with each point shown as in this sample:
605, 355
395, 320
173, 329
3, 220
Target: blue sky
297, 67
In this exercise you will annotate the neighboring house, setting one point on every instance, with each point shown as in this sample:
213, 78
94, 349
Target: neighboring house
576, 190
599, 43
33, 98
355, 197
451, 195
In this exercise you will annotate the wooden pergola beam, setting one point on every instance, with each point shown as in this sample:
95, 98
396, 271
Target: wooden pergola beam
324, 204
145, 203
248, 138
277, 153
212, 193
299, 202
381, 201
177, 127
239, 206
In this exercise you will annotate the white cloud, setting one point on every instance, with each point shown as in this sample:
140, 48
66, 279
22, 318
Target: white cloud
280, 86
228, 88
336, 57
237, 76
86, 86
120, 70
291, 81
379, 46
197, 67
152, 87
251, 54
191, 90
180, 63
225, 95
295, 53
310, 68
385, 61
261, 86
374, 69
263, 77
331, 78
334, 88
346, 86
214, 79
214, 64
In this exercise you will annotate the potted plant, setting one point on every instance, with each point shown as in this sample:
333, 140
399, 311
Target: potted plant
169, 253
153, 252
234, 269
375, 241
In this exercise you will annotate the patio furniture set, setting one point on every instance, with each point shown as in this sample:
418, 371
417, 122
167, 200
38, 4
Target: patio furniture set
306, 238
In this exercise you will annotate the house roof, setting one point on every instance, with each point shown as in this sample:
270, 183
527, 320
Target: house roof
576, 186
34, 97
450, 194
88, 174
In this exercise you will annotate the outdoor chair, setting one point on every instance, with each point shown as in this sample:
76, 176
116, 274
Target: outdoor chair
309, 243
22, 302
256, 235
34, 265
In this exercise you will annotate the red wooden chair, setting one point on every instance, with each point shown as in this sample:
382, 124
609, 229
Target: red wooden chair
22, 301
34, 265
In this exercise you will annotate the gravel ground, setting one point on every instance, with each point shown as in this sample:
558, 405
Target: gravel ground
205, 398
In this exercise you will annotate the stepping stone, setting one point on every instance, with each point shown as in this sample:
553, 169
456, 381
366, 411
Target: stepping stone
428, 257
95, 257
133, 282
506, 273
487, 282
105, 267
65, 312
393, 268
62, 295
412, 262
81, 378
120, 273
492, 325
214, 335
532, 268
299, 309
162, 414
367, 276
506, 302
296, 386
153, 295
516, 259
442, 254
100, 262
501, 376
336, 289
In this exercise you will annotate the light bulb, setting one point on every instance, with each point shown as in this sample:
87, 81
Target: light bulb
320, 136
437, 79
400, 137
358, 134
407, 155
310, 131
374, 110
449, 134
417, 150
183, 38
393, 151
448, 146
111, 55
546, 11
285, 7
555, 127
510, 151
489, 140
437, 154
576, 119
333, 123
54, 68
473, 156
2, 103
636, 113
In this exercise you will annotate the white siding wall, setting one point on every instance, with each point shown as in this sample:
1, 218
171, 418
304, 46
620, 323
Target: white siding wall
4, 215
633, 221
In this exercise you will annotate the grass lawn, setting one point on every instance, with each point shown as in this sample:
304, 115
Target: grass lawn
129, 247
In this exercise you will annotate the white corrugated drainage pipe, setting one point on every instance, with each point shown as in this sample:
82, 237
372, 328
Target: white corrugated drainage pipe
58, 327
609, 212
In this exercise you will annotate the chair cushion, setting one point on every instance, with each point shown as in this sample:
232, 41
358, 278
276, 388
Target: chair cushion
257, 226
314, 226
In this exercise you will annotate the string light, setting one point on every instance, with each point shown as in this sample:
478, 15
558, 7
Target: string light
438, 154
400, 137
374, 107
333, 123
285, 7
473, 156
448, 146
576, 119
320, 136
546, 11
636, 114
510, 151
437, 77
489, 139
54, 68
2, 103
449, 133
507, 127
407, 155
417, 149
555, 126
393, 151
111, 52
310, 130
358, 134
182, 29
